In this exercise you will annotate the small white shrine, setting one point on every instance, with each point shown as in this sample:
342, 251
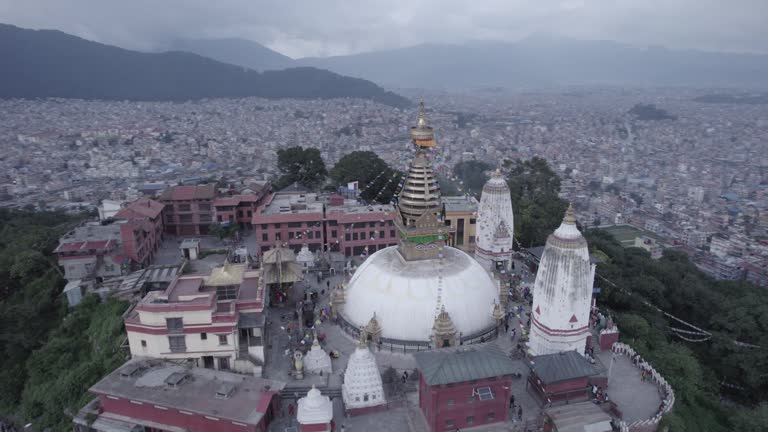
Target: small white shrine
306, 259
315, 409
362, 386
317, 361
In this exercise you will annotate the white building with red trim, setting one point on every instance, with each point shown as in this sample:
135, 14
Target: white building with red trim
562, 292
215, 320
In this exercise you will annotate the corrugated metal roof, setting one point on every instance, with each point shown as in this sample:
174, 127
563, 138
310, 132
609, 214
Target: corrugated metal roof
563, 366
453, 365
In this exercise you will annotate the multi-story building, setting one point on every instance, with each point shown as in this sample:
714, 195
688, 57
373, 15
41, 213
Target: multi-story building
294, 217
217, 320
464, 387
461, 215
720, 246
240, 208
163, 396
142, 234
188, 209
92, 251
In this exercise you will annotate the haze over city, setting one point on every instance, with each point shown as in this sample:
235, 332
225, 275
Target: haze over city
402, 216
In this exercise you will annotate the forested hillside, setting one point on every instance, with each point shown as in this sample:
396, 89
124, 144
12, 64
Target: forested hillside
48, 358
701, 372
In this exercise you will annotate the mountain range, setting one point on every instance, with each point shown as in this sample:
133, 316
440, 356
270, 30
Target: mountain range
536, 61
548, 61
50, 63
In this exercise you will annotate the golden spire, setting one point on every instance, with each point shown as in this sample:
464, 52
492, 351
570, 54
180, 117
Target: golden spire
421, 134
570, 216
422, 120
363, 342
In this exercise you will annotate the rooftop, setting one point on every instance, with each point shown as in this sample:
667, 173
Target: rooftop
580, 417
562, 366
460, 364
142, 208
460, 203
292, 203
208, 392
185, 193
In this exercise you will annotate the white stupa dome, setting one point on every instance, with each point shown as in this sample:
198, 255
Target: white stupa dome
404, 294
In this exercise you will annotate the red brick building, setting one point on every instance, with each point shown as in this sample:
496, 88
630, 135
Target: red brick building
464, 387
294, 217
159, 396
240, 208
563, 377
188, 209
142, 235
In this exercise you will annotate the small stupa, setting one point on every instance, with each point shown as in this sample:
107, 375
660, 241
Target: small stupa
443, 331
317, 361
306, 259
315, 412
362, 388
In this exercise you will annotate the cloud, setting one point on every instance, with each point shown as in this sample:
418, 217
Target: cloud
332, 27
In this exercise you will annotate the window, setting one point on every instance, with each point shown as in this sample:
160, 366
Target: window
184, 207
177, 343
227, 292
371, 224
203, 336
290, 235
277, 225
239, 213
169, 219
174, 325
450, 402
143, 343
471, 239
294, 224
382, 234
346, 237
264, 226
354, 236
470, 419
485, 393
207, 218
278, 236
491, 416
265, 237
449, 423
204, 207
392, 233
218, 218
311, 234
333, 233
222, 339
472, 221
448, 222
249, 213
185, 218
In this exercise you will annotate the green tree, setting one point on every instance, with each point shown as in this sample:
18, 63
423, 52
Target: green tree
377, 181
301, 165
539, 210
222, 231
473, 175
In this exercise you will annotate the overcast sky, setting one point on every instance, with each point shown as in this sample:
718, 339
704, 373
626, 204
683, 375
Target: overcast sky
332, 27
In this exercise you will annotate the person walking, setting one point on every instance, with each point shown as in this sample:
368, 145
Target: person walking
511, 401
520, 413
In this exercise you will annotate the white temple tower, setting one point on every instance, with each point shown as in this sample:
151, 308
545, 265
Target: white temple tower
495, 224
562, 292
317, 361
362, 387
315, 412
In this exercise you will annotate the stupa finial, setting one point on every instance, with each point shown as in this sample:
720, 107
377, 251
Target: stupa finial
570, 216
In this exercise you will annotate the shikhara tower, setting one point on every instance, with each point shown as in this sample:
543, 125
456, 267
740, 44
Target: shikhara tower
495, 224
562, 292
